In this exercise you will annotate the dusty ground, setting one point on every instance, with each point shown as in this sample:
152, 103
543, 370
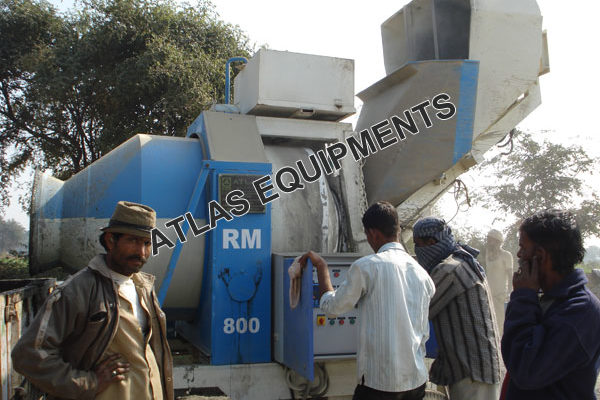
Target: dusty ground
227, 398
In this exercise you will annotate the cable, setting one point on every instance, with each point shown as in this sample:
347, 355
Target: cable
304, 386
458, 187
508, 141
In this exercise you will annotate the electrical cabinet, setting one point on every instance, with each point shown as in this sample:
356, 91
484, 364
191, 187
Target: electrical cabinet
305, 334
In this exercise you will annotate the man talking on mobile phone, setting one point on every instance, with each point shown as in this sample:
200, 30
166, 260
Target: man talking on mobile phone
551, 341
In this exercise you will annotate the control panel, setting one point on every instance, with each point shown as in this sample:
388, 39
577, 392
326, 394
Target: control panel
305, 333
334, 335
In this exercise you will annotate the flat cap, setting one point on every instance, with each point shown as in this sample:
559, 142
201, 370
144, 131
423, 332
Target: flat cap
132, 218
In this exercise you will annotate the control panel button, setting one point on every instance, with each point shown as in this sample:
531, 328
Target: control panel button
320, 320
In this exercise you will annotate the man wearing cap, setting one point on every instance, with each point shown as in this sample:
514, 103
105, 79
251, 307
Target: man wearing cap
101, 334
499, 270
465, 327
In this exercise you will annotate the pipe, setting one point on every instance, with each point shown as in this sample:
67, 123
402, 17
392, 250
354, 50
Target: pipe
227, 73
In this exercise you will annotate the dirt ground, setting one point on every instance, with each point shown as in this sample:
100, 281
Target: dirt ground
203, 398
227, 398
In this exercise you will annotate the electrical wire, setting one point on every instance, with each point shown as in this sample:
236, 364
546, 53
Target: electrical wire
458, 188
510, 136
304, 386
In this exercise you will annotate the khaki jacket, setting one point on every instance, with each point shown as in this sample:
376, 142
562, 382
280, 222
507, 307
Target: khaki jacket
70, 334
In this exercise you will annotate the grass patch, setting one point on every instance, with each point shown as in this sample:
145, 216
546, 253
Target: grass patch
14, 267
588, 267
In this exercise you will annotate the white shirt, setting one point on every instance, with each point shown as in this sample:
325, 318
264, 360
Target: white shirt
392, 292
126, 289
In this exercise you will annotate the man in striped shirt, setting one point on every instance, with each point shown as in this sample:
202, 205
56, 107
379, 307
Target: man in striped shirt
392, 293
463, 321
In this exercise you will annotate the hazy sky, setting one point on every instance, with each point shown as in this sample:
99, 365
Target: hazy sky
351, 29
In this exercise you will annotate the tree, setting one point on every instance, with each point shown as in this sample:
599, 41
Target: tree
73, 86
12, 236
592, 255
537, 176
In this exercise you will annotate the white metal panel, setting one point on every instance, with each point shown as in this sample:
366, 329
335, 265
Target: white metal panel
43, 231
515, 114
233, 137
261, 381
286, 128
286, 84
506, 37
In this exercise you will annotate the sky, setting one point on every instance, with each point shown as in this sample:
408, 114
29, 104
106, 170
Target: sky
351, 29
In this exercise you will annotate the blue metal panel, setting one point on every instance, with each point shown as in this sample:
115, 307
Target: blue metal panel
240, 279
94, 191
431, 347
142, 170
198, 129
192, 205
469, 72
298, 331
169, 169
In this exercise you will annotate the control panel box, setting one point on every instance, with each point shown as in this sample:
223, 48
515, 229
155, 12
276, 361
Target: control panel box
334, 335
306, 333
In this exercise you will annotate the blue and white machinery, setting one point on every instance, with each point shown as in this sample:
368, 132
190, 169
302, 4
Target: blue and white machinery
276, 173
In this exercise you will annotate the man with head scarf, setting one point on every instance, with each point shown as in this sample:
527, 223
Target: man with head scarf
463, 321
499, 270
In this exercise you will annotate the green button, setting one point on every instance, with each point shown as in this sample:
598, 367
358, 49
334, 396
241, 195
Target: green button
352, 321
331, 321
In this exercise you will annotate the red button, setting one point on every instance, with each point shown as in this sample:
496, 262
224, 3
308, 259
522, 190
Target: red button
336, 274
341, 322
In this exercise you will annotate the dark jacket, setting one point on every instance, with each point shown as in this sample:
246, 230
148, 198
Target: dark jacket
72, 331
552, 354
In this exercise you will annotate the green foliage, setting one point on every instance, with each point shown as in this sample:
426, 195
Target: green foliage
592, 255
12, 236
537, 176
74, 86
14, 268
17, 267
473, 238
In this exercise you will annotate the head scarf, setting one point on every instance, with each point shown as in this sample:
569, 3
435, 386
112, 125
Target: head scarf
431, 256
430, 227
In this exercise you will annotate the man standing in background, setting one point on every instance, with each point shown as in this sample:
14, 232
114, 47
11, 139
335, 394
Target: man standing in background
551, 343
468, 358
499, 270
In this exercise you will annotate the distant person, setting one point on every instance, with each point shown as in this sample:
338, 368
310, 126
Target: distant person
101, 334
468, 359
499, 270
392, 293
551, 343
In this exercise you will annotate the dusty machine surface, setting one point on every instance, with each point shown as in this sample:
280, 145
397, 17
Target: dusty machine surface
276, 173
